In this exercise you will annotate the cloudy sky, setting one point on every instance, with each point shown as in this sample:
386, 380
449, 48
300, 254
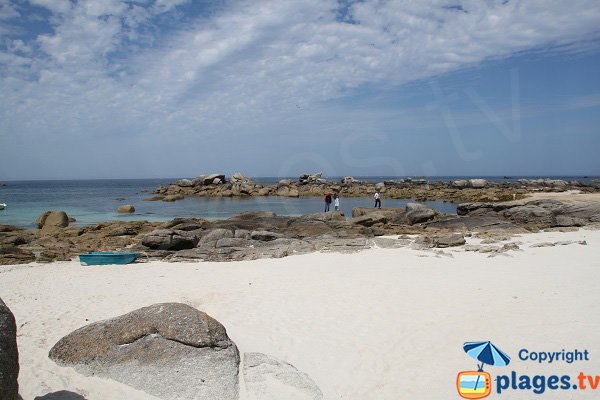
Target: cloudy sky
178, 88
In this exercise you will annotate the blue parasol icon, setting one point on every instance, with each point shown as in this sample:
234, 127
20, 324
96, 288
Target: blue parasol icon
487, 353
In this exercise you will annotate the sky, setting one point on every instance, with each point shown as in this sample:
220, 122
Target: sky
180, 88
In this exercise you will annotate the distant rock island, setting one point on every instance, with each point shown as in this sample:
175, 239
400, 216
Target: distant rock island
312, 185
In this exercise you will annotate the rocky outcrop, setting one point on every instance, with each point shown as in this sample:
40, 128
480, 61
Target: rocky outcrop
414, 213
9, 355
127, 208
481, 190
169, 239
537, 214
170, 350
267, 378
52, 220
10, 254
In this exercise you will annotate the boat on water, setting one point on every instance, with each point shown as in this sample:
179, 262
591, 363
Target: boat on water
2, 206
108, 258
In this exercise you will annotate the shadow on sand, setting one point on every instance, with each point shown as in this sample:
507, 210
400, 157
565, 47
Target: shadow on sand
61, 395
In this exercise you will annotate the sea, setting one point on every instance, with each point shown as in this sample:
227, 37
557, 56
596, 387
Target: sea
95, 201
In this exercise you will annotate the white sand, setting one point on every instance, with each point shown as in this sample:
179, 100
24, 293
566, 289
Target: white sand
379, 324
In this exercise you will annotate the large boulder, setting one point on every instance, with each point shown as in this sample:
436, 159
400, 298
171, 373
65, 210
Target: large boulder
52, 220
267, 378
169, 239
417, 213
478, 183
170, 350
210, 179
127, 208
239, 178
9, 355
184, 183
460, 183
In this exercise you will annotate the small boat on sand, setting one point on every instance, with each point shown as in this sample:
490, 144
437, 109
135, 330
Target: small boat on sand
2, 206
108, 257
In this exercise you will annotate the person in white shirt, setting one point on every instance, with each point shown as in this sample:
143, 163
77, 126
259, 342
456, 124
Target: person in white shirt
336, 202
377, 199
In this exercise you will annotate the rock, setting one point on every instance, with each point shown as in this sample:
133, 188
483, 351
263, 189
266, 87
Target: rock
173, 197
187, 226
210, 179
127, 208
199, 180
285, 182
184, 183
482, 249
10, 254
169, 239
52, 220
530, 215
380, 185
120, 198
482, 223
564, 220
392, 214
233, 242
253, 215
293, 193
267, 378
217, 181
559, 243
510, 246
441, 241
460, 183
370, 219
154, 198
418, 213
264, 236
347, 180
477, 183
9, 355
389, 243
324, 216
242, 234
337, 244
239, 178
306, 178
170, 350
214, 235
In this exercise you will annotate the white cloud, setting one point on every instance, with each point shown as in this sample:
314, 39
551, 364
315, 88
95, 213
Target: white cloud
107, 69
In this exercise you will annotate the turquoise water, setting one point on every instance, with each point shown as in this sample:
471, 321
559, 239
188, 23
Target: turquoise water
94, 201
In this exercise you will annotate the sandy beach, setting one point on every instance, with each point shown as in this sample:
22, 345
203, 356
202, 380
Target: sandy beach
377, 324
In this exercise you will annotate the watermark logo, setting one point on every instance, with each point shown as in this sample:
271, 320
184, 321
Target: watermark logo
474, 384
478, 384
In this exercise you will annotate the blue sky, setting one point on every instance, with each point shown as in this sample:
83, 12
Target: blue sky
179, 88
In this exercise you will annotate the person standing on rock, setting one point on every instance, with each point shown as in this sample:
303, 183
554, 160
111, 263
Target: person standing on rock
377, 199
336, 202
327, 201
